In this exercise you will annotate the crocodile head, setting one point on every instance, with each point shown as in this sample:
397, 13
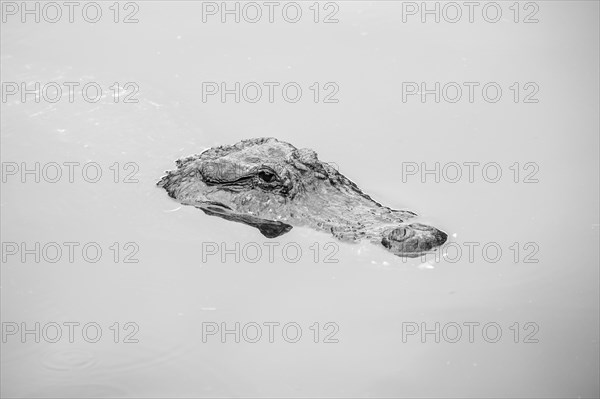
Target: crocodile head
273, 186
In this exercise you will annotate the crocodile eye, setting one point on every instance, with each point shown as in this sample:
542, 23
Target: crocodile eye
266, 176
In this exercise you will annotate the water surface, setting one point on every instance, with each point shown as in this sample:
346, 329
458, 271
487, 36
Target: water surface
368, 293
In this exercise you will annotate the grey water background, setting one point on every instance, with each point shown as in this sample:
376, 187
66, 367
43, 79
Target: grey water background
369, 133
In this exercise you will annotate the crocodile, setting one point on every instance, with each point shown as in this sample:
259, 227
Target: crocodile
272, 185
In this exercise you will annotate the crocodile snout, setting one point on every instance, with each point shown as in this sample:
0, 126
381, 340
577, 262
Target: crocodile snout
413, 239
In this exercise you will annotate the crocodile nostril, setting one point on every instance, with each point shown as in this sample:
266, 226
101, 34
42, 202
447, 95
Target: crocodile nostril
398, 234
